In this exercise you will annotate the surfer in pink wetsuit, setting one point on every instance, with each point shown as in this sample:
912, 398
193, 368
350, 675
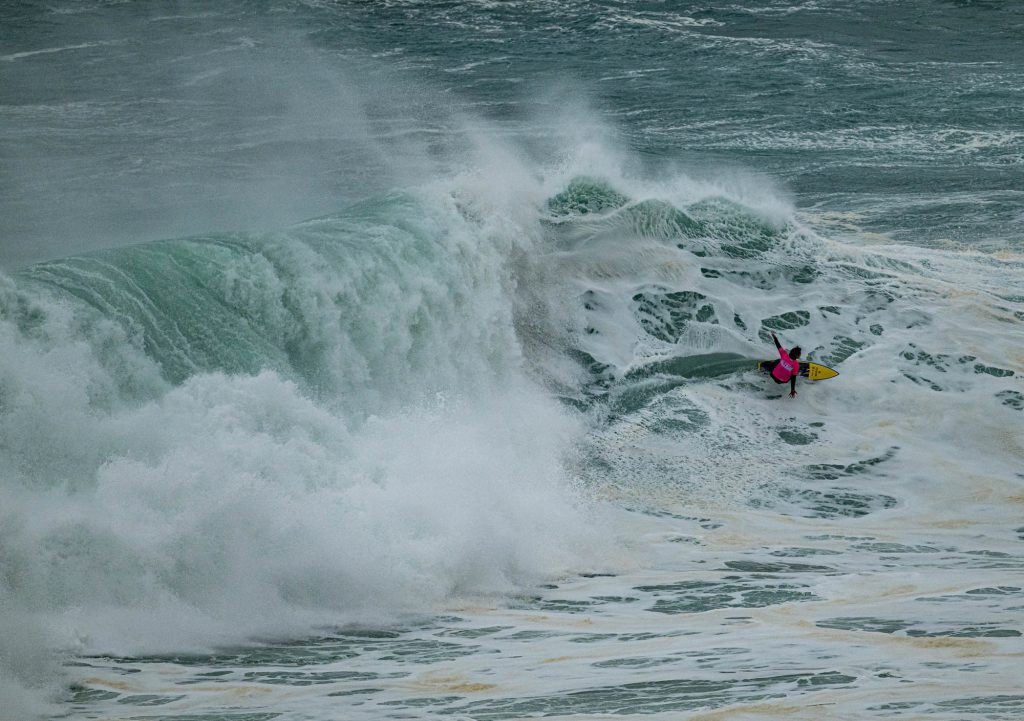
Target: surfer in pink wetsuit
787, 367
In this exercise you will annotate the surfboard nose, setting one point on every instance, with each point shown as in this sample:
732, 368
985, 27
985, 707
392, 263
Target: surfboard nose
816, 371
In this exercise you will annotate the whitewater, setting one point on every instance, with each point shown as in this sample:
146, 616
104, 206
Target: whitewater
397, 361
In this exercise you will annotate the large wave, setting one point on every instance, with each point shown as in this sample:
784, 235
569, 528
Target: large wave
419, 398
219, 438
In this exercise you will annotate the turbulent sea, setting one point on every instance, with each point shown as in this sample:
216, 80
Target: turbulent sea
394, 360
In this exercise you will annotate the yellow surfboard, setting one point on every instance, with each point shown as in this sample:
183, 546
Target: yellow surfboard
810, 371
817, 372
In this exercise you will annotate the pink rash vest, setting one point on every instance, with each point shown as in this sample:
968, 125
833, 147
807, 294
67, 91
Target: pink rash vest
785, 368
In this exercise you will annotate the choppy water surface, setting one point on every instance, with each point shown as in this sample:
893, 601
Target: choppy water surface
395, 360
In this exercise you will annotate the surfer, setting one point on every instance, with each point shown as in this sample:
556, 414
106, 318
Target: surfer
787, 367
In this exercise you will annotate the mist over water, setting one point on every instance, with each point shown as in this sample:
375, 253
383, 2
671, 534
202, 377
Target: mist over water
391, 360
132, 123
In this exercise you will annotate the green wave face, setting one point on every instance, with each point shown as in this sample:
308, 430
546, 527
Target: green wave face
365, 304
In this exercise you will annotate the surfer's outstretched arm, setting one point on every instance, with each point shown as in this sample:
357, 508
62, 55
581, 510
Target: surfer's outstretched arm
776, 339
792, 386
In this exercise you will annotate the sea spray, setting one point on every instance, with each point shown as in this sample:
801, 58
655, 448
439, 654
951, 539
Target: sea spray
216, 439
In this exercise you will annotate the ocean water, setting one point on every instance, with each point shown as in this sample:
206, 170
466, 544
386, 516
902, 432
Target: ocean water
393, 360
